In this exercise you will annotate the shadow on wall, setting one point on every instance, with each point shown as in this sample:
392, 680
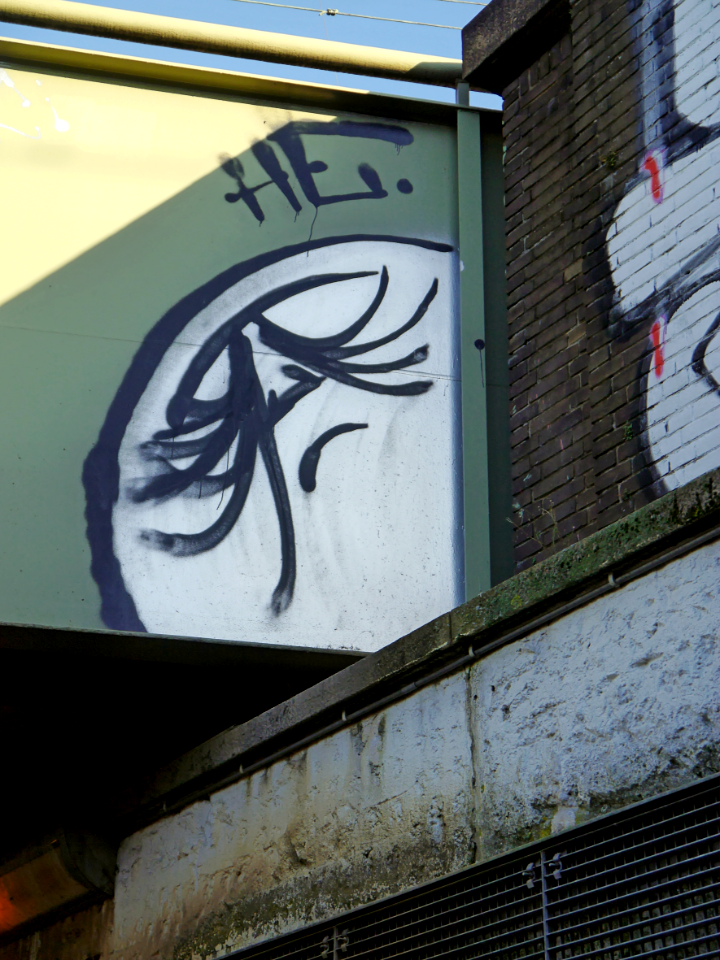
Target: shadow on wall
258, 436
664, 244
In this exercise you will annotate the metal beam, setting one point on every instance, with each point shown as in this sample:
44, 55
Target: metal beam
476, 492
231, 41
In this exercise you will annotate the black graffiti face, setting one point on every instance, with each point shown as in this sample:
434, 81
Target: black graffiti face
193, 438
244, 417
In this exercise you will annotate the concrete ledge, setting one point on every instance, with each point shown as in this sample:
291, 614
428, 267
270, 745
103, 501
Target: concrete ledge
569, 576
649, 530
315, 707
507, 37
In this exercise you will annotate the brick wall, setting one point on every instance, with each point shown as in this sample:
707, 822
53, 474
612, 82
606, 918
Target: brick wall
612, 266
548, 372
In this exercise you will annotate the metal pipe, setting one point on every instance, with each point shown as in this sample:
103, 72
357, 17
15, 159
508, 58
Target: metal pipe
231, 41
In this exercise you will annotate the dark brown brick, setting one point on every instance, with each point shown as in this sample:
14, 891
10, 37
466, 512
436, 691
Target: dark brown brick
574, 390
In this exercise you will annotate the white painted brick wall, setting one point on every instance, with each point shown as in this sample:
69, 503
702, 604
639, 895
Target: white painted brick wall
654, 237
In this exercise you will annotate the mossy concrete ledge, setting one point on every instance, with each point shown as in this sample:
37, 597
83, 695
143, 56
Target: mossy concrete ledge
544, 590
650, 530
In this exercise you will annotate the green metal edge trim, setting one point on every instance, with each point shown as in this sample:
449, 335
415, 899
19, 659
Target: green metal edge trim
476, 503
502, 564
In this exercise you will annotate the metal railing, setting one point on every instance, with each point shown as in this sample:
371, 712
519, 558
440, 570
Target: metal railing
643, 883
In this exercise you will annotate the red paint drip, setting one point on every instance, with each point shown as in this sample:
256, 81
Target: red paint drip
658, 358
650, 163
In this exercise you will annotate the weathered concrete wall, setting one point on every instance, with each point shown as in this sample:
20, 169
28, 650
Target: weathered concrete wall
615, 702
377, 807
86, 935
612, 702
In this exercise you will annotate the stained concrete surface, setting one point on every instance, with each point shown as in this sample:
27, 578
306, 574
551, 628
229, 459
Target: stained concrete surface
564, 576
610, 703
377, 807
616, 702
85, 936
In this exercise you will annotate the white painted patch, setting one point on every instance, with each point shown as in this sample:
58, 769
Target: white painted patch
697, 52
377, 540
649, 241
25, 128
7, 81
61, 125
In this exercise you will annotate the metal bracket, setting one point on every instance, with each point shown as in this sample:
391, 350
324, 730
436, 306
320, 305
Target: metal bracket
340, 941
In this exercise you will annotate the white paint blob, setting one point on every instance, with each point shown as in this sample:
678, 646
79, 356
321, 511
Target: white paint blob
34, 132
62, 125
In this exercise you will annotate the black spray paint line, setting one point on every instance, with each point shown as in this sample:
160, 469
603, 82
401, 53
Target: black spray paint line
290, 139
310, 459
101, 470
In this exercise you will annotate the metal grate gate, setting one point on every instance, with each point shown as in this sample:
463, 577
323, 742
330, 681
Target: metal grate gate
645, 883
